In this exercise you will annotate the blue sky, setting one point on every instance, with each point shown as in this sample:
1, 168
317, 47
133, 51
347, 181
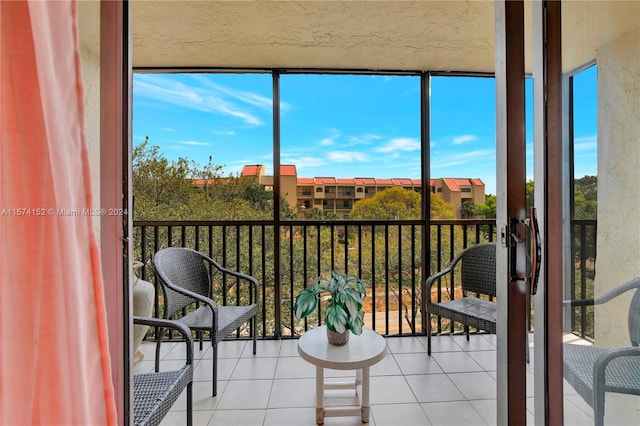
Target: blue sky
339, 125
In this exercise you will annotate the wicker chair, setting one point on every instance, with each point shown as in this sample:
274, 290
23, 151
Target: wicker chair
185, 279
592, 370
155, 393
478, 276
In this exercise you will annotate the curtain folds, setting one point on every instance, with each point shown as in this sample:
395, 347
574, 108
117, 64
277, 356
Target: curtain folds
55, 366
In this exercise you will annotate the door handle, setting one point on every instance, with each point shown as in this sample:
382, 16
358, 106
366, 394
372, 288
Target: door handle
536, 250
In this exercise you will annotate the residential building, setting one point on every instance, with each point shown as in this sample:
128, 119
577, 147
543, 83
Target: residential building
337, 195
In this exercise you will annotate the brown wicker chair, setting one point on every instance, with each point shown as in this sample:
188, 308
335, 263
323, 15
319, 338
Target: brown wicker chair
592, 370
155, 393
185, 276
478, 276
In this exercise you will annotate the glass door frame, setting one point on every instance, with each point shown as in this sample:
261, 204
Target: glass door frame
549, 168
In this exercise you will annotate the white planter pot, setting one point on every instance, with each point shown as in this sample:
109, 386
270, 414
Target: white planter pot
143, 297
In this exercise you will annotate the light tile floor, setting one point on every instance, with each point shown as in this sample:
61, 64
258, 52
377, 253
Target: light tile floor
455, 386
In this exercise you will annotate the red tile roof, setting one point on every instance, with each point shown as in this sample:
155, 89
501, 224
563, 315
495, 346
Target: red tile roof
288, 170
251, 170
365, 181
254, 170
454, 183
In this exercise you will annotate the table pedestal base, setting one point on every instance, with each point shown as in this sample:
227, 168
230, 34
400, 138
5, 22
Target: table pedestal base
362, 410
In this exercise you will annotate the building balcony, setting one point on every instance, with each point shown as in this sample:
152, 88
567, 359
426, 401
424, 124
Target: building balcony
456, 385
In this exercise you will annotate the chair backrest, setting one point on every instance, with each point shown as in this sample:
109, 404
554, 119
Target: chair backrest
478, 270
183, 268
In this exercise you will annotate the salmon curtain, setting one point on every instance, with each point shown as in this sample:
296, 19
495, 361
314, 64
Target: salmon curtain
53, 330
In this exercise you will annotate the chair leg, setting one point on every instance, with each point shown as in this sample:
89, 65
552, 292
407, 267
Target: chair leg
158, 342
214, 345
598, 402
428, 334
254, 332
190, 404
200, 337
466, 331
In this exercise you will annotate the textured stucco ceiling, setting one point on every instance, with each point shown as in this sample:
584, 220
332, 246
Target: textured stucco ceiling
387, 35
369, 35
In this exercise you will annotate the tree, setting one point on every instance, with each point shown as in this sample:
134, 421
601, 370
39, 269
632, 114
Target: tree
488, 209
440, 209
530, 199
208, 174
161, 189
467, 209
392, 203
587, 186
165, 190
585, 198
314, 214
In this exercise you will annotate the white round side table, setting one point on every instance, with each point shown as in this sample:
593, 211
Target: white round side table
360, 353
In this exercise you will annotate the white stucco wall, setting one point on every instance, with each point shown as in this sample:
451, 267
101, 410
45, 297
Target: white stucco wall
89, 17
91, 80
618, 257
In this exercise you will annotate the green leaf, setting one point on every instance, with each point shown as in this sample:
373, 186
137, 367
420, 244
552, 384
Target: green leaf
336, 318
352, 306
305, 303
357, 323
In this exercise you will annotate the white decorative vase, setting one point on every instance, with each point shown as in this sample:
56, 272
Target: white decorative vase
143, 297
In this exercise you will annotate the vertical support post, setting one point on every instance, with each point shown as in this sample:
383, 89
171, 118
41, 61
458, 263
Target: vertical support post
425, 163
277, 332
548, 159
511, 203
115, 192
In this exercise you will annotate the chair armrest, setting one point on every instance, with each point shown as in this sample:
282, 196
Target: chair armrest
204, 299
429, 282
165, 323
601, 363
579, 302
605, 297
255, 284
433, 278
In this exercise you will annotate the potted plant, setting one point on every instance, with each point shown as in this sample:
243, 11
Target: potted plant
344, 310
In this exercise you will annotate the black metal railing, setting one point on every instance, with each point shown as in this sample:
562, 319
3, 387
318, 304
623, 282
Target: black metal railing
388, 255
583, 249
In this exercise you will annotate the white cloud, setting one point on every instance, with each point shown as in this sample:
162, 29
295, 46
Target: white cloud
400, 144
169, 91
364, 139
225, 132
440, 165
346, 156
458, 140
195, 143
326, 141
441, 160
304, 162
585, 143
